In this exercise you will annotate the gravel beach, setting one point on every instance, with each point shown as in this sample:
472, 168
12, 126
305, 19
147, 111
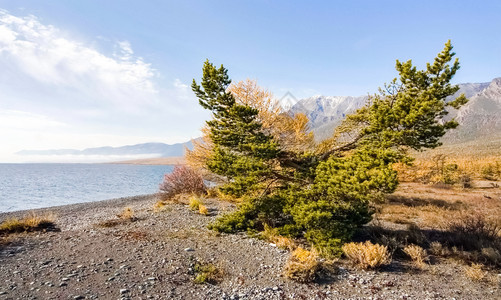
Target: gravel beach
153, 258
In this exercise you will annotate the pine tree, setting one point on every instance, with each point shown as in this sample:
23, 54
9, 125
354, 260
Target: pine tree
242, 152
324, 194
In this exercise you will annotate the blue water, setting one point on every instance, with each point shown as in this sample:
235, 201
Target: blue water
29, 186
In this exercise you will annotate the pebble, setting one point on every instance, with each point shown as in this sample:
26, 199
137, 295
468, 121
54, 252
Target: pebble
189, 249
124, 291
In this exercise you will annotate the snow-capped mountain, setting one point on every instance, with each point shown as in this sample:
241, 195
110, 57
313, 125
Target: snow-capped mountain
326, 112
481, 117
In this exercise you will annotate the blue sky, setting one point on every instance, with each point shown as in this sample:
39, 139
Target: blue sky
77, 74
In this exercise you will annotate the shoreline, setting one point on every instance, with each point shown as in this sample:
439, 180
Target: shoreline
76, 215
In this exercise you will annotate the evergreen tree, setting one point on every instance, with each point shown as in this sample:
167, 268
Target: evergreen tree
325, 194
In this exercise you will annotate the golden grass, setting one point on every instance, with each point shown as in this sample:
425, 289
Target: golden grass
30, 222
432, 167
194, 203
126, 216
475, 272
202, 209
160, 206
271, 234
367, 255
302, 265
417, 254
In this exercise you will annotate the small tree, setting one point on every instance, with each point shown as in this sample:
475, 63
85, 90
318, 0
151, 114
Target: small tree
323, 193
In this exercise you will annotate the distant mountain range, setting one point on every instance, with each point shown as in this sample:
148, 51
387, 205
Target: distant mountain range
156, 149
480, 118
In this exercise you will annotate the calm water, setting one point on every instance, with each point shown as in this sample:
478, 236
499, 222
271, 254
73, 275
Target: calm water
28, 186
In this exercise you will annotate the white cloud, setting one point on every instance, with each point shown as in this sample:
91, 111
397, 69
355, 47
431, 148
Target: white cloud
57, 92
46, 55
20, 120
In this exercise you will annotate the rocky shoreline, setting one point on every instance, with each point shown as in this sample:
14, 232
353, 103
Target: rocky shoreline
152, 258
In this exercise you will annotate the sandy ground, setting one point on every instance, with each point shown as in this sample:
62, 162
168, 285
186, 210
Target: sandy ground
153, 258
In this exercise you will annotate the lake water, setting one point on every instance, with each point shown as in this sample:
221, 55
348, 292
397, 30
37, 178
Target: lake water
29, 186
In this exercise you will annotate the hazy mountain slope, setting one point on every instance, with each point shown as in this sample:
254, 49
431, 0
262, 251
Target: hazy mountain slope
159, 149
480, 118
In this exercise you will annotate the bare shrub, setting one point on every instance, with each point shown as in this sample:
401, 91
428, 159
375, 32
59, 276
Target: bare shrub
302, 265
436, 248
417, 254
182, 180
367, 255
473, 232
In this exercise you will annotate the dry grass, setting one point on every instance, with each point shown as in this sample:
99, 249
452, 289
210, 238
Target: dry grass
194, 203
271, 234
367, 255
436, 166
160, 206
126, 216
475, 272
417, 254
302, 265
30, 222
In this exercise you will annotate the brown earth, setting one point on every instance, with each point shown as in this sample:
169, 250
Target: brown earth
153, 258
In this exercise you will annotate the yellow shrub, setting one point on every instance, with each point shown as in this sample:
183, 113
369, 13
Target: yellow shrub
367, 255
417, 254
202, 209
302, 265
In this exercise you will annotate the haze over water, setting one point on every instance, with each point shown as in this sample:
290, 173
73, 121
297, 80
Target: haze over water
30, 186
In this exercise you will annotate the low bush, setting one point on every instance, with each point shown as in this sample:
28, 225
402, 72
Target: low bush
302, 265
367, 255
207, 273
417, 254
30, 222
182, 180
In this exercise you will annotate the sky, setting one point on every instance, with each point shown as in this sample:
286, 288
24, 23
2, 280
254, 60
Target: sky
80, 74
